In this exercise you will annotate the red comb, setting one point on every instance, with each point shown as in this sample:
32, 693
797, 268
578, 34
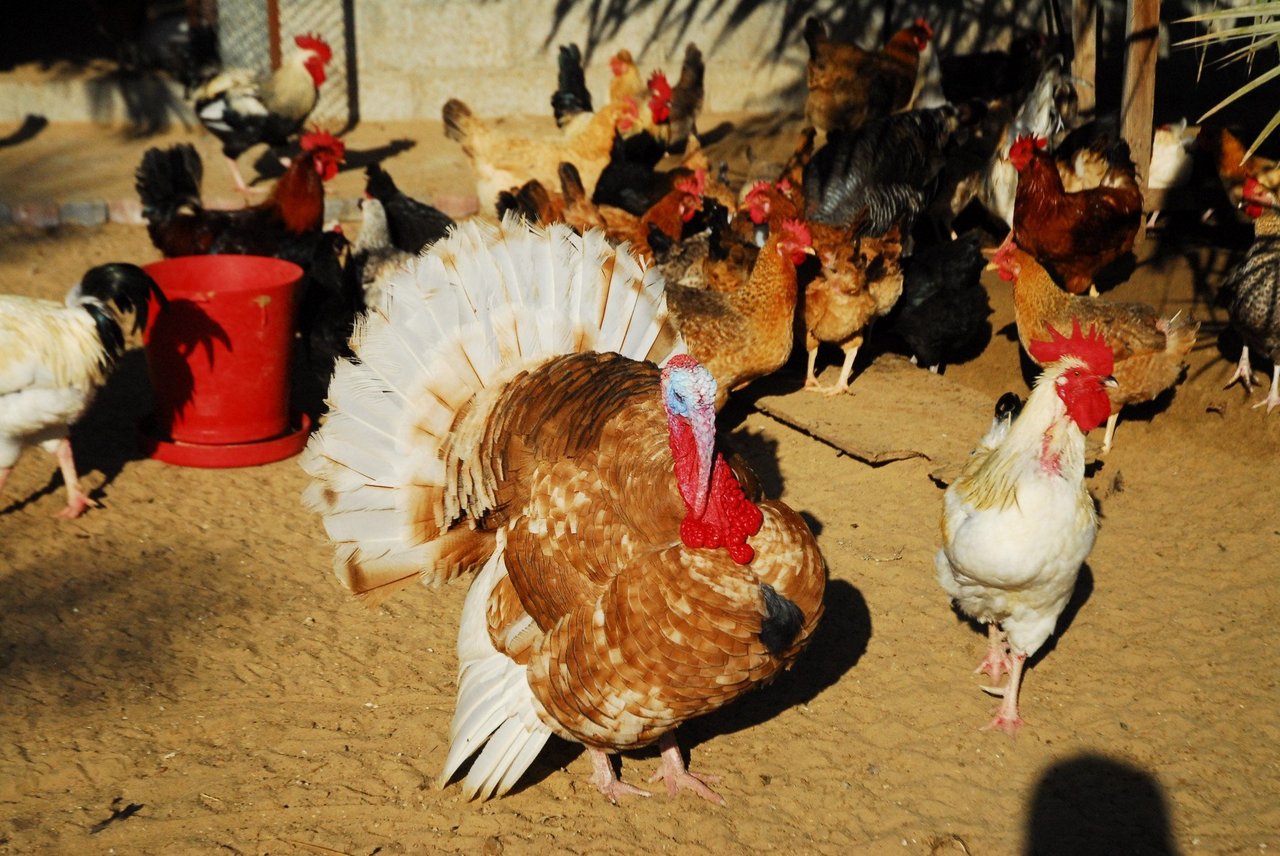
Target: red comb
758, 189
694, 185
312, 42
922, 24
318, 139
798, 232
659, 86
1091, 348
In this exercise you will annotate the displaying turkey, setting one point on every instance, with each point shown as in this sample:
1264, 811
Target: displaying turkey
506, 414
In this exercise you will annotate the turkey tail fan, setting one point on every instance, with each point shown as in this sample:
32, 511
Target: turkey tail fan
496, 709
400, 472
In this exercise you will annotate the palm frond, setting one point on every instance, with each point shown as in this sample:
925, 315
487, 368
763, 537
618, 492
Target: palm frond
1262, 34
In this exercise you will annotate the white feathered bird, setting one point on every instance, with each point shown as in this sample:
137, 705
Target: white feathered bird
1018, 522
54, 357
504, 414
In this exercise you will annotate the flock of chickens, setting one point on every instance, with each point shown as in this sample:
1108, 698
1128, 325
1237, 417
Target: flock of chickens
533, 403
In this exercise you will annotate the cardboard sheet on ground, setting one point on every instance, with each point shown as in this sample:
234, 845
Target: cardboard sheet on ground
893, 411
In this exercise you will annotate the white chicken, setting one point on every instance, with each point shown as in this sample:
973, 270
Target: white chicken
1018, 522
54, 357
502, 416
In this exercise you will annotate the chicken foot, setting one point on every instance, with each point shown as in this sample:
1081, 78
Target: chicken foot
603, 777
77, 499
1244, 372
678, 777
1272, 401
1006, 718
842, 384
997, 663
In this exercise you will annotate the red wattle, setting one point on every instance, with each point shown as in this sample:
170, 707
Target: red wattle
729, 520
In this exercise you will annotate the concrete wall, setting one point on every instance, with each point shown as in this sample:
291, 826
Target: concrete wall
500, 56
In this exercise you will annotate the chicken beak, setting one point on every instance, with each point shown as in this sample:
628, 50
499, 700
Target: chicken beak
1109, 382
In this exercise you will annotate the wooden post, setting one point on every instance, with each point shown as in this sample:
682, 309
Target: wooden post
273, 32
1137, 108
1084, 31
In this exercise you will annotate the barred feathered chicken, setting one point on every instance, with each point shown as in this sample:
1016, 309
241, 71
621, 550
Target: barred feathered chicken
1147, 347
888, 167
1255, 283
502, 416
242, 108
1019, 521
55, 357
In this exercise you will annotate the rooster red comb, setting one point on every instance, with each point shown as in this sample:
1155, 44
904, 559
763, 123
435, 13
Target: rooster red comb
659, 86
1028, 144
312, 42
922, 24
695, 184
797, 232
317, 139
1091, 348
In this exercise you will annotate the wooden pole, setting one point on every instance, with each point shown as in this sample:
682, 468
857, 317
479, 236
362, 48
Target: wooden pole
273, 32
1084, 31
1137, 108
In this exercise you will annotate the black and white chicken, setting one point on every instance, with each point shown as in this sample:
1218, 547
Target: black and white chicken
54, 357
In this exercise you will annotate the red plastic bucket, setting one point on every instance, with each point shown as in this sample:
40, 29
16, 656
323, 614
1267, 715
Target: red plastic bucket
219, 354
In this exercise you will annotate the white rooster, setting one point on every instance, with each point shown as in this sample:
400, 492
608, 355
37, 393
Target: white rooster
502, 415
54, 357
1018, 522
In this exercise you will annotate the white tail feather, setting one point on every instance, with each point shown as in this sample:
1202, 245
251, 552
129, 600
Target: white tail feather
460, 321
496, 708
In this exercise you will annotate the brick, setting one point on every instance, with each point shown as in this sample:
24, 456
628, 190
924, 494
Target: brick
42, 214
84, 212
125, 211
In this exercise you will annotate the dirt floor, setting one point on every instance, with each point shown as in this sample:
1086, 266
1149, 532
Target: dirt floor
184, 661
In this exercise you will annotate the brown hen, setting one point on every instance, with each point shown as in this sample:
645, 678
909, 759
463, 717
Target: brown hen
1148, 348
746, 333
860, 281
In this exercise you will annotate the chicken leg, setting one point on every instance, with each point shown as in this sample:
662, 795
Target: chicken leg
243, 189
77, 499
1272, 401
1110, 432
1244, 372
678, 777
1006, 718
603, 777
997, 662
842, 384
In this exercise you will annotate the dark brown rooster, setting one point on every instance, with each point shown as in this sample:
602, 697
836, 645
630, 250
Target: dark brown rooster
1074, 234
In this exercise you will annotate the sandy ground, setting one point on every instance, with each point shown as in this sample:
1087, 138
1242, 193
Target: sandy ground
183, 657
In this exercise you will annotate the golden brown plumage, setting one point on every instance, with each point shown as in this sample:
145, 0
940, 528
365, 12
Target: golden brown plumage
849, 85
504, 161
502, 415
860, 281
746, 333
1148, 348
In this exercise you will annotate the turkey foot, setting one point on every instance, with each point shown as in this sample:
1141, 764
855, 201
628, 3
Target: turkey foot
678, 777
604, 779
